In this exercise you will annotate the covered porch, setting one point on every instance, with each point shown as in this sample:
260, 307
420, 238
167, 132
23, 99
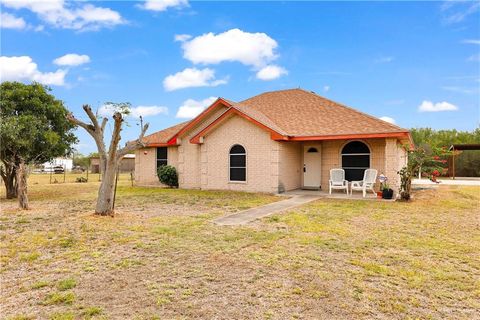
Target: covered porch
305, 166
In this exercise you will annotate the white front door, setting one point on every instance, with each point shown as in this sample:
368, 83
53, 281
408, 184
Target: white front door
312, 167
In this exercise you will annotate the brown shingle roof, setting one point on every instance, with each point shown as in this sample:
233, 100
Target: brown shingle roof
298, 113
302, 113
162, 137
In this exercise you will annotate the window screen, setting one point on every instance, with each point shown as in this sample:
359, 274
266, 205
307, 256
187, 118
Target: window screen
238, 163
162, 156
355, 160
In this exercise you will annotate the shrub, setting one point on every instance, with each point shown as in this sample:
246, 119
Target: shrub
81, 180
168, 175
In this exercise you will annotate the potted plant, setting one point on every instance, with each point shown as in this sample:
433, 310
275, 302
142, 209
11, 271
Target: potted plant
382, 178
387, 193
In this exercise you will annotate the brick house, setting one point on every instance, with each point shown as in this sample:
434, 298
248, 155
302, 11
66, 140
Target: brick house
273, 142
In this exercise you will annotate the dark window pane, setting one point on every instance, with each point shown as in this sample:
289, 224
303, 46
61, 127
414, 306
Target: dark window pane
354, 174
312, 150
356, 161
237, 161
162, 153
161, 163
237, 149
238, 174
355, 147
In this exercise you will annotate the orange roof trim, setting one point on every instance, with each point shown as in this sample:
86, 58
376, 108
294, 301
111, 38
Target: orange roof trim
197, 119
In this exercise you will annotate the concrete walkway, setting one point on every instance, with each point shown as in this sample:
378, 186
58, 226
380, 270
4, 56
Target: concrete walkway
250, 215
448, 182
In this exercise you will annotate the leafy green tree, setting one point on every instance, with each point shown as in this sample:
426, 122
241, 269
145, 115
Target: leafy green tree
431, 163
33, 130
467, 163
80, 160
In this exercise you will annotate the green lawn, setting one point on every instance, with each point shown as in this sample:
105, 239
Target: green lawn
162, 258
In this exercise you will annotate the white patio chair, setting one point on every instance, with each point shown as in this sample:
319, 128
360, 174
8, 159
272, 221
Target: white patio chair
367, 183
337, 180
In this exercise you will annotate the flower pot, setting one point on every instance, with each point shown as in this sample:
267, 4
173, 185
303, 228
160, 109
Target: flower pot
387, 194
379, 194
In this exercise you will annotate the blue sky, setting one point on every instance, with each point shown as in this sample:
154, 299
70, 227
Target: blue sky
417, 63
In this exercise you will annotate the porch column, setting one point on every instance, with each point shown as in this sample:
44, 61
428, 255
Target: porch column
392, 163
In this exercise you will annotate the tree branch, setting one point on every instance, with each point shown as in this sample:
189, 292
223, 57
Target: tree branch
90, 128
94, 131
133, 145
117, 127
91, 115
104, 123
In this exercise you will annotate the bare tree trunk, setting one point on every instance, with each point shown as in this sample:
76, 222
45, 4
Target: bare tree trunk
8, 174
22, 186
109, 160
105, 192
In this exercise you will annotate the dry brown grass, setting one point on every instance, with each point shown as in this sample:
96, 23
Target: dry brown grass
162, 258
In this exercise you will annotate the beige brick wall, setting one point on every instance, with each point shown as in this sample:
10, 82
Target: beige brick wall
262, 157
146, 165
291, 165
189, 154
395, 159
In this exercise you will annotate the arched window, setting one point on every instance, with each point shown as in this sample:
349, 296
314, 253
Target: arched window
355, 160
238, 163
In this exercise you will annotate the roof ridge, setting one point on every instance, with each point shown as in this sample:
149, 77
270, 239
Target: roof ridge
353, 109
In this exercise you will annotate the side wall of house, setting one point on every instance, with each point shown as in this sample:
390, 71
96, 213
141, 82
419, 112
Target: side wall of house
263, 156
189, 154
146, 164
291, 166
395, 159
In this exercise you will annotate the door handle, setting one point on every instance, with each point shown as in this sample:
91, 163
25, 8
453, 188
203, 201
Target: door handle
304, 168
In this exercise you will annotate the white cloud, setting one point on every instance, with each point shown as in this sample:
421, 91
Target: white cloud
384, 59
146, 111
475, 57
429, 106
192, 108
463, 10
182, 37
9, 21
163, 5
461, 89
75, 15
24, 69
107, 110
471, 41
72, 59
192, 77
252, 49
271, 72
388, 119
326, 88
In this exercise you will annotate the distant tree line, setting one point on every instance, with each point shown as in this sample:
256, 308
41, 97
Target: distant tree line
467, 163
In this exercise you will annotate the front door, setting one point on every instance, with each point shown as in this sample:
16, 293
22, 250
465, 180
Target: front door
312, 166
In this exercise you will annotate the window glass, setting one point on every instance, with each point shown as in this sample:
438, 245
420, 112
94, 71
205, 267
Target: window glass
238, 163
355, 160
162, 156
